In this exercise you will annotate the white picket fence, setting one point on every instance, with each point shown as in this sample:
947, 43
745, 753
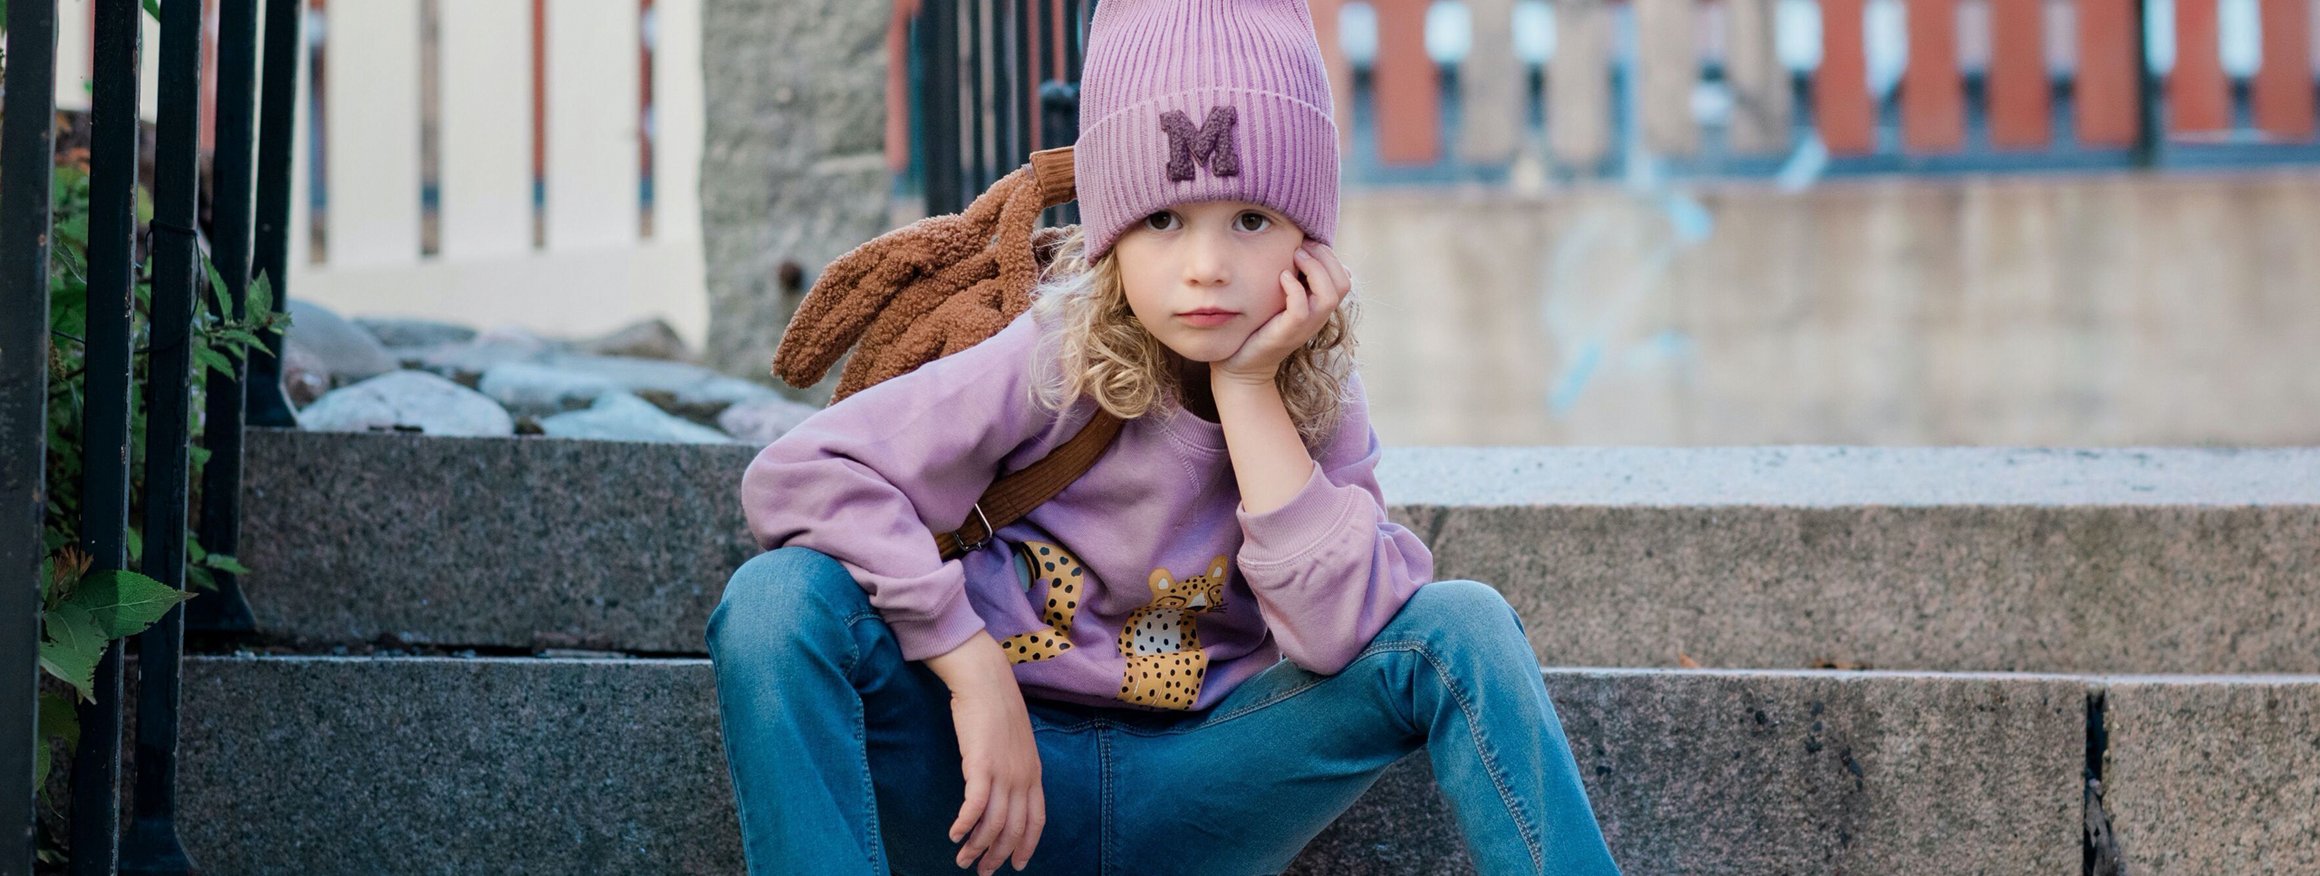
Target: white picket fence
594, 267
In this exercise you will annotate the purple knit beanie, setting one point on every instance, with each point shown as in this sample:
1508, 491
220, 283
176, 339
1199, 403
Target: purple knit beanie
1196, 100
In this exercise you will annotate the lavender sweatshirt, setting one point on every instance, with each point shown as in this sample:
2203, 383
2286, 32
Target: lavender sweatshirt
1144, 584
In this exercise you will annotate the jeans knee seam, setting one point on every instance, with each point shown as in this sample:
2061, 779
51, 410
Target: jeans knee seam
1490, 765
733, 774
874, 836
1105, 849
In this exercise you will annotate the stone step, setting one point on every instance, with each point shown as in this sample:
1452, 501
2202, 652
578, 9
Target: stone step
1946, 559
318, 765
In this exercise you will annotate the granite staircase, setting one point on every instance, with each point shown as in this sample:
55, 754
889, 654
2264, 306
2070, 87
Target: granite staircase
486, 656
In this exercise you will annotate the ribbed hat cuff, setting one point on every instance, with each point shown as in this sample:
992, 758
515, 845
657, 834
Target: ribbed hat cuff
1286, 151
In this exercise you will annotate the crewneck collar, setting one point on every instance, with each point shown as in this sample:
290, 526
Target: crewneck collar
1187, 427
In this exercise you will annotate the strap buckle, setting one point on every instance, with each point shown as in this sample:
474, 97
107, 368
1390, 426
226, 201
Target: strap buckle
987, 533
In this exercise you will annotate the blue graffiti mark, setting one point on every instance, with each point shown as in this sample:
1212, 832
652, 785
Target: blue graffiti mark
1667, 346
1692, 221
1582, 367
1689, 223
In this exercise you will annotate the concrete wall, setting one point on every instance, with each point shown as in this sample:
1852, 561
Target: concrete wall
793, 171
2097, 310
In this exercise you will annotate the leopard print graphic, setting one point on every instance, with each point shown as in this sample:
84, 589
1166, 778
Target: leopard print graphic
1063, 576
1161, 641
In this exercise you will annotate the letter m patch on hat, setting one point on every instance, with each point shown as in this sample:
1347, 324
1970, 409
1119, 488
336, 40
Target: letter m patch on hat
1210, 144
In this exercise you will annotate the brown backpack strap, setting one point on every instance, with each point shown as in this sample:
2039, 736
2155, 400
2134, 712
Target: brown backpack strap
1015, 494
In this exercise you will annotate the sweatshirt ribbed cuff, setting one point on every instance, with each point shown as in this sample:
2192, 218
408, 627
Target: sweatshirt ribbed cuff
950, 626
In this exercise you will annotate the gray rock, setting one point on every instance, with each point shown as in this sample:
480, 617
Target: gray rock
540, 390
466, 362
759, 422
348, 353
620, 416
689, 391
407, 399
305, 377
650, 339
415, 332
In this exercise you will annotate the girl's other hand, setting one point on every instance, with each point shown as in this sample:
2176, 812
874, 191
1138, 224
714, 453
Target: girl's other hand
1313, 285
1005, 807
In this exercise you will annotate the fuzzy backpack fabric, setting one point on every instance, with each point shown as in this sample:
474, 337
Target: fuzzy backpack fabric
932, 288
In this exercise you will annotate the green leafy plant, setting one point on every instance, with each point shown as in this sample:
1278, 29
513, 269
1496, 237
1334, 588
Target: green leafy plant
85, 611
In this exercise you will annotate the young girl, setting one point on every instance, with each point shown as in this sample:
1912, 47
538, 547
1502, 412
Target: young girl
1197, 655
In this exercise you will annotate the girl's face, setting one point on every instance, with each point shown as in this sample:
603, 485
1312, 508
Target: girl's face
1203, 276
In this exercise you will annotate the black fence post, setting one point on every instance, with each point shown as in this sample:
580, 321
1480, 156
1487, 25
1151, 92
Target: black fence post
972, 125
2147, 93
152, 845
277, 114
1006, 100
1027, 53
938, 35
113, 131
1059, 124
1026, 60
226, 611
27, 138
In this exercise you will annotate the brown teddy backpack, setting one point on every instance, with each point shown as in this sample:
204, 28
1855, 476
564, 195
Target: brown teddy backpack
932, 288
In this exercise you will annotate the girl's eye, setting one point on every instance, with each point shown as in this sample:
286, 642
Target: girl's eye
1160, 221
1254, 221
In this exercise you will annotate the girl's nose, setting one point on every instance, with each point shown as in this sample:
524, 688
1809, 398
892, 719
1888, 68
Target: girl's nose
1205, 260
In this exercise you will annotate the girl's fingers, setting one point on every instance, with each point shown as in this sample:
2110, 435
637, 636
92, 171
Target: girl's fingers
1327, 259
1344, 277
1037, 825
978, 796
1334, 276
1011, 841
1336, 283
1337, 269
986, 832
1327, 285
1001, 823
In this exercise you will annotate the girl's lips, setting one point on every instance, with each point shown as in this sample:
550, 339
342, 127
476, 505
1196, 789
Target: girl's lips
1208, 318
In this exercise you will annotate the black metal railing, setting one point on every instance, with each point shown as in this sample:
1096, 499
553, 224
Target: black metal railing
27, 110
1022, 58
27, 135
105, 431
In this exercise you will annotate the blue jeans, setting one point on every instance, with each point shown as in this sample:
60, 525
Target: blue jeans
844, 760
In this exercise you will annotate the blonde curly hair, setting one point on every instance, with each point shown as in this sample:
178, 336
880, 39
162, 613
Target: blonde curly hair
1093, 347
